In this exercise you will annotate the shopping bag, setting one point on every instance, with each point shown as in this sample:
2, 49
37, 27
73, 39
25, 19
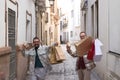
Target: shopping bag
90, 65
52, 57
60, 56
98, 51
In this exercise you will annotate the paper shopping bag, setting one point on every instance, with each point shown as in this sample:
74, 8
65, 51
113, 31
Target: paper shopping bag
98, 51
52, 56
60, 56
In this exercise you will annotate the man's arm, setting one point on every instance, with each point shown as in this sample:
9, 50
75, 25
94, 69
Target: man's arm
73, 54
47, 48
26, 51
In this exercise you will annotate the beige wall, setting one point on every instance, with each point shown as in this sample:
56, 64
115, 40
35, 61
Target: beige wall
4, 62
2, 22
22, 66
50, 31
4, 67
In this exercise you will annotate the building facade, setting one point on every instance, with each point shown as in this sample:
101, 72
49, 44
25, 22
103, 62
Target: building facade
21, 21
48, 21
17, 21
100, 19
70, 21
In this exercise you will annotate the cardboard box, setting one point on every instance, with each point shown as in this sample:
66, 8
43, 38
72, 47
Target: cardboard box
83, 46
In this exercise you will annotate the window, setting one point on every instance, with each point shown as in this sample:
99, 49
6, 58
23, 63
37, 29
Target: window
92, 20
96, 21
46, 17
84, 22
46, 37
72, 13
28, 27
61, 25
28, 31
71, 33
65, 36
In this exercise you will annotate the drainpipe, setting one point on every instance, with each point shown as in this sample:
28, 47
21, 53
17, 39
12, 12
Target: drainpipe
36, 8
5, 23
17, 21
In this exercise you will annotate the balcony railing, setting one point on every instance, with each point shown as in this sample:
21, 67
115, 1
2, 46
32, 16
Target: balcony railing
65, 24
40, 4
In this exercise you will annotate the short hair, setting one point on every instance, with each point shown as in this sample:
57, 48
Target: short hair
35, 38
82, 32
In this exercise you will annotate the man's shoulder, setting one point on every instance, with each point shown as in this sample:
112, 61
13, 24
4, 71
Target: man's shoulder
32, 49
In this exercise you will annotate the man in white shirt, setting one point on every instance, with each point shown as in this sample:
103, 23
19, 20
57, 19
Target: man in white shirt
39, 64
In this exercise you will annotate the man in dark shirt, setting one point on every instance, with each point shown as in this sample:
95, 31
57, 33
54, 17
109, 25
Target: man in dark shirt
83, 72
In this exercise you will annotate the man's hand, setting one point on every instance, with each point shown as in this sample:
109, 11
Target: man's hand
56, 43
25, 46
68, 48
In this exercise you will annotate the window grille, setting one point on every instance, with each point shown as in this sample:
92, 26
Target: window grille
11, 43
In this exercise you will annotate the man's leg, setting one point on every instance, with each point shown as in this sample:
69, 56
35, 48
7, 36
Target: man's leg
32, 77
80, 74
38, 78
40, 73
87, 74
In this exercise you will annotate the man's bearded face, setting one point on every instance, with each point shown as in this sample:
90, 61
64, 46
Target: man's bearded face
36, 43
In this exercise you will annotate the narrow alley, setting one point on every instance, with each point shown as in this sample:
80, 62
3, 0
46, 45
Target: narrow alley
59, 21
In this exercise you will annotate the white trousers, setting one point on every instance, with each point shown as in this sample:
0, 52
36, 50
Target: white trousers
84, 74
39, 74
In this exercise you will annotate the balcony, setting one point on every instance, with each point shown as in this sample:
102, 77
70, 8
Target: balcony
65, 24
40, 5
84, 5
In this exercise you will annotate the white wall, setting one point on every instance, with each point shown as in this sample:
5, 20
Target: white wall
109, 62
2, 23
103, 31
114, 26
25, 5
103, 35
